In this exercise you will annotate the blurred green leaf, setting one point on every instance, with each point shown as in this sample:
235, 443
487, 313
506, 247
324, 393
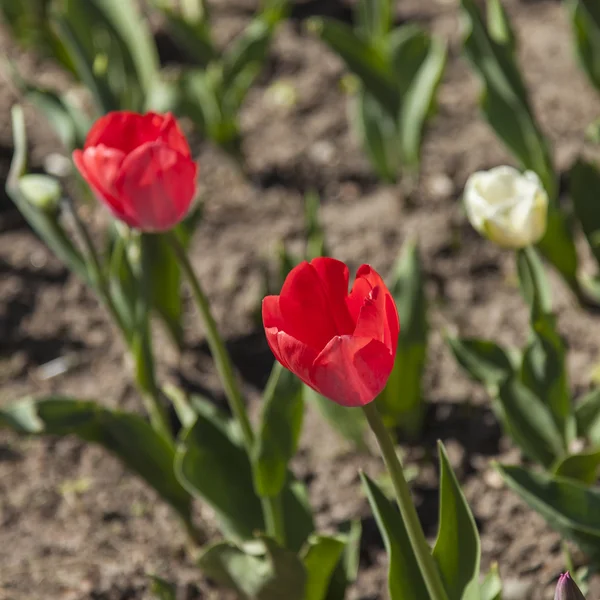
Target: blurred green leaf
569, 507
350, 423
498, 25
258, 570
585, 20
320, 558
46, 225
584, 181
363, 59
582, 466
126, 435
457, 549
279, 431
211, 466
419, 101
162, 589
533, 282
374, 18
587, 415
484, 360
529, 422
543, 371
378, 134
505, 101
491, 586
404, 575
346, 571
401, 402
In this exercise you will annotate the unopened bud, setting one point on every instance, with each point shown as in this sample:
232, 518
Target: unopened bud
567, 589
41, 191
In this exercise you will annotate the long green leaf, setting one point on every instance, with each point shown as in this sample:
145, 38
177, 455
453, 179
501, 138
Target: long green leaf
210, 465
419, 100
585, 20
126, 435
404, 576
277, 439
529, 422
587, 416
584, 181
362, 58
457, 549
401, 402
320, 559
569, 507
582, 467
259, 570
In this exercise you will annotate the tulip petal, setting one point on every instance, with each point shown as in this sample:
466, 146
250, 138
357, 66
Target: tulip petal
352, 371
305, 308
157, 184
100, 167
125, 131
292, 354
366, 280
377, 318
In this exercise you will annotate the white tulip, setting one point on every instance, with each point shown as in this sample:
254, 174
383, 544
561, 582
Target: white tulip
507, 206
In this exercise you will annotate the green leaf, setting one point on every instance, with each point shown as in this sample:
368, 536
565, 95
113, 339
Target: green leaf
47, 226
543, 371
533, 282
378, 133
210, 465
457, 549
162, 589
404, 576
136, 38
529, 422
419, 101
126, 435
320, 559
584, 180
258, 570
505, 101
587, 416
350, 423
585, 20
364, 60
401, 402
569, 507
499, 26
374, 19
346, 571
277, 439
491, 586
581, 467
484, 360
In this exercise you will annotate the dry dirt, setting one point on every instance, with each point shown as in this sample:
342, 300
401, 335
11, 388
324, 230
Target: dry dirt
74, 524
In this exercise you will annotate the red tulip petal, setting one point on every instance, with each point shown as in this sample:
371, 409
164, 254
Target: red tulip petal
352, 371
334, 277
366, 280
125, 131
393, 321
100, 167
292, 354
372, 320
172, 136
157, 184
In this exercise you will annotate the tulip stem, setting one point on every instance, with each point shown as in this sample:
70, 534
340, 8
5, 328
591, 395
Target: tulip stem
216, 345
419, 544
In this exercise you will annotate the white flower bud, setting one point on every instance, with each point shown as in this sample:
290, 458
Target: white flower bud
507, 206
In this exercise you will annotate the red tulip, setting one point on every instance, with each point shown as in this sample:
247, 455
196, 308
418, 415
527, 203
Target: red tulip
141, 167
341, 345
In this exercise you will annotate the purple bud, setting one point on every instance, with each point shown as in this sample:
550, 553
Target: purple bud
567, 589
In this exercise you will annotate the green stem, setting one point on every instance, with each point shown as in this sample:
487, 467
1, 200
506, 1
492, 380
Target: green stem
141, 347
419, 544
216, 345
272, 507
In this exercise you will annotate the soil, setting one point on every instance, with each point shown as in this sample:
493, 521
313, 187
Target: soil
74, 524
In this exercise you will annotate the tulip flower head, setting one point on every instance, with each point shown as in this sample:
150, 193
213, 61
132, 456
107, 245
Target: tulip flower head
567, 589
341, 344
506, 206
141, 167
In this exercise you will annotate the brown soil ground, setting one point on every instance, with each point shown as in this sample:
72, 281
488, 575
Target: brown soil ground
74, 524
